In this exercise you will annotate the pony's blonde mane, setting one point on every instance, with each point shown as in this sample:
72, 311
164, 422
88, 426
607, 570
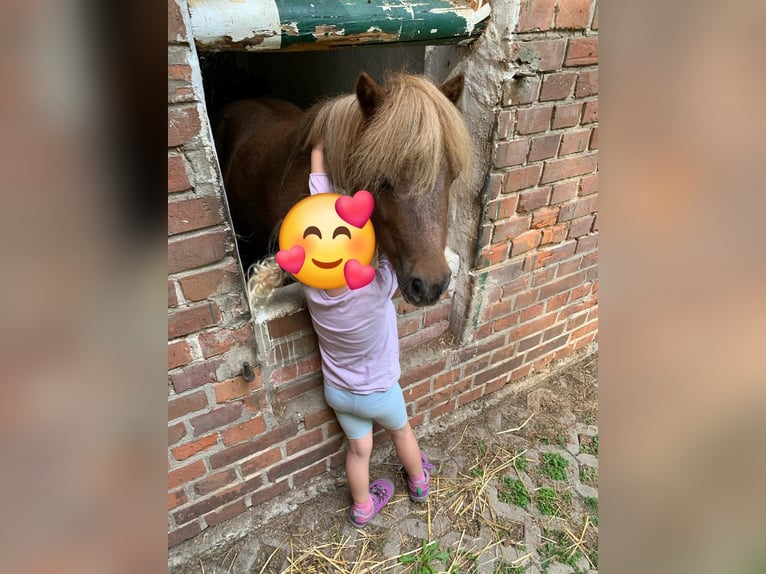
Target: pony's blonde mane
414, 129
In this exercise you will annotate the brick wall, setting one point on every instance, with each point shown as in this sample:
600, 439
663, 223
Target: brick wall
532, 299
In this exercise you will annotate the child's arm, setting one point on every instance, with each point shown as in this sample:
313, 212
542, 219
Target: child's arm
317, 159
319, 180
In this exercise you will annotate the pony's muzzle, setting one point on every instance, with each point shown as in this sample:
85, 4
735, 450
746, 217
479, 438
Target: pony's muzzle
421, 292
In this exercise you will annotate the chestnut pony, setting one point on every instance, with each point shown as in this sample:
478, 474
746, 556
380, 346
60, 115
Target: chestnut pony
405, 142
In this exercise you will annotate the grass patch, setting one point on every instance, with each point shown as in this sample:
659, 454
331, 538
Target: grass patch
521, 463
588, 474
553, 465
513, 491
590, 447
550, 502
591, 503
557, 547
422, 562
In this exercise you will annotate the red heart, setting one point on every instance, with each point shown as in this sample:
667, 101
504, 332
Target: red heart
357, 275
355, 210
292, 260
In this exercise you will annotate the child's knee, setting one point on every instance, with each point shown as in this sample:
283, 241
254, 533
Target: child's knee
361, 447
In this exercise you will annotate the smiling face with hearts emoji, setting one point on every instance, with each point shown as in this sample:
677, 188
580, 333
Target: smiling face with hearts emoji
327, 241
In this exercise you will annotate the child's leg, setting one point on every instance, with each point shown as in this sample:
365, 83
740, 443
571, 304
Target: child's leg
358, 468
407, 450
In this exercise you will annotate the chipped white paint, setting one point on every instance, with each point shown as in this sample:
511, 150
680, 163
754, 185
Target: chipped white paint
217, 20
434, 30
471, 16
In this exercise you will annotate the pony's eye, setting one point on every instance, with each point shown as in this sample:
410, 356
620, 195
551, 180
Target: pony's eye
341, 231
385, 184
312, 231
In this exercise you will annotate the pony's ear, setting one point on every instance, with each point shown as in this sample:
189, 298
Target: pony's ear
369, 94
453, 87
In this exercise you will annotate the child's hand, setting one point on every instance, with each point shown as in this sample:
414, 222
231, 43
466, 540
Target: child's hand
317, 158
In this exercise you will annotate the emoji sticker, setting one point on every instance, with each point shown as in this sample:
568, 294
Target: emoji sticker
327, 240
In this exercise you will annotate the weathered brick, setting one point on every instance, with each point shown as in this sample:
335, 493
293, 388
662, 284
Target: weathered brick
440, 312
578, 208
589, 184
533, 120
180, 88
262, 461
176, 26
179, 354
506, 272
541, 276
505, 124
243, 431
289, 324
225, 512
533, 200
544, 147
187, 320
243, 450
563, 192
520, 90
511, 228
585, 244
217, 342
522, 178
191, 214
590, 112
421, 372
566, 115
180, 406
594, 138
555, 254
217, 500
510, 153
172, 295
587, 84
300, 387
594, 24
177, 178
185, 474
176, 432
176, 499
581, 226
525, 242
237, 387
190, 449
423, 335
554, 234
187, 531
186, 253
216, 418
558, 169
546, 349
195, 375
561, 285
269, 492
544, 217
557, 86
307, 457
574, 142
215, 482
536, 15
537, 325
303, 441
183, 124
582, 51
572, 14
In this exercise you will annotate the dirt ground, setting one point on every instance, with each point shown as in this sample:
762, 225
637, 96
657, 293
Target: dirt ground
517, 492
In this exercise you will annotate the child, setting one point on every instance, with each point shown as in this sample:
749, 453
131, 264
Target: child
359, 346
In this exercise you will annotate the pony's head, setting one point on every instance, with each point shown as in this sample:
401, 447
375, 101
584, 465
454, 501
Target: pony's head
406, 143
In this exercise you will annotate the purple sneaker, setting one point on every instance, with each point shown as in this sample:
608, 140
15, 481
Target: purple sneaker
420, 493
381, 492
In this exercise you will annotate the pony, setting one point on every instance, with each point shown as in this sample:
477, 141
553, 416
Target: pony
404, 141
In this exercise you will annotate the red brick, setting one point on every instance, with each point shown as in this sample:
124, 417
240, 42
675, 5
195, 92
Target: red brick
424, 335
186, 253
563, 192
521, 178
185, 474
554, 234
510, 153
447, 407
574, 142
243, 450
557, 86
191, 214
529, 343
505, 124
556, 254
568, 267
537, 325
187, 531
505, 273
177, 178
541, 276
217, 418
585, 244
510, 229
319, 418
176, 499
581, 226
540, 55
572, 14
217, 342
172, 295
525, 242
176, 432
179, 354
422, 372
584, 330
262, 461
189, 449
289, 324
546, 350
594, 138
407, 326
578, 208
176, 26
183, 125
590, 112
225, 512
438, 313
561, 285
545, 217
306, 458
582, 51
531, 200
243, 431
536, 15
566, 116
180, 88
303, 441
217, 500
502, 208
531, 312
186, 404
544, 147
195, 375
589, 184
237, 387
270, 492
533, 120
587, 84
520, 90
556, 302
187, 320
558, 169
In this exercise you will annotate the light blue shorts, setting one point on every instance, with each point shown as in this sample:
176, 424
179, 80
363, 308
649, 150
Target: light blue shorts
356, 413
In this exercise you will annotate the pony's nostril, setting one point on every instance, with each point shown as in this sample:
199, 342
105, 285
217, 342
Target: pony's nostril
418, 287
